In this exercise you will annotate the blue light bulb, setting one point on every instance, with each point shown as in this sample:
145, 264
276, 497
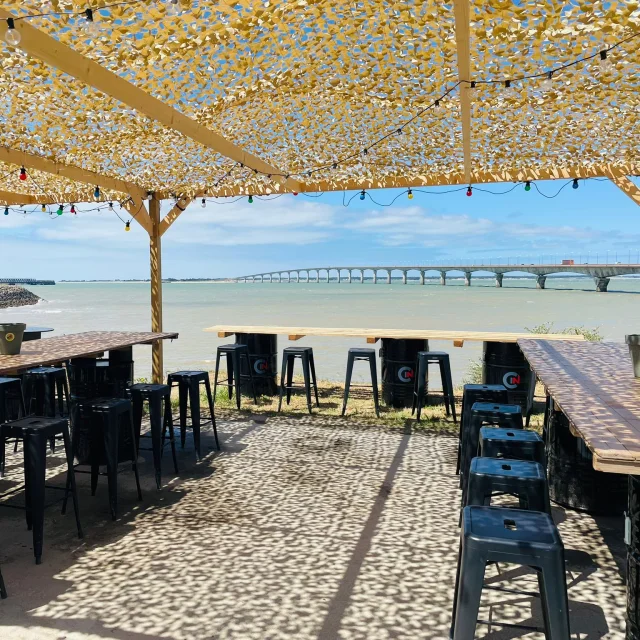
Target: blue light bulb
362, 195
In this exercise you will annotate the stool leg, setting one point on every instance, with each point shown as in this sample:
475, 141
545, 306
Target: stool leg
469, 590
3, 589
26, 451
313, 378
207, 386
347, 382
134, 455
60, 396
71, 480
136, 407
283, 372
423, 368
183, 396
215, 377
290, 363
194, 404
253, 386
452, 397
3, 459
236, 377
374, 383
445, 386
553, 598
36, 444
155, 422
168, 424
96, 449
49, 397
110, 438
230, 376
306, 375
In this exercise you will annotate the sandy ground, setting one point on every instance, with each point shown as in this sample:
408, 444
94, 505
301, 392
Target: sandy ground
303, 527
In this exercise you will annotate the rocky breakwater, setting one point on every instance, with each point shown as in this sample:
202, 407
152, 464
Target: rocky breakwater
12, 295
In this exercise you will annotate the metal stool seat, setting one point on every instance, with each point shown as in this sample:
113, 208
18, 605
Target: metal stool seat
35, 432
46, 390
527, 538
424, 359
155, 395
361, 353
481, 414
513, 444
234, 353
525, 479
289, 356
188, 383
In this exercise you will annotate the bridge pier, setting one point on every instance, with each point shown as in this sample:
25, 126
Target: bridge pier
467, 278
297, 276
602, 284
443, 278
540, 282
388, 276
375, 276
361, 276
499, 277
422, 277
328, 276
339, 280
404, 277
349, 270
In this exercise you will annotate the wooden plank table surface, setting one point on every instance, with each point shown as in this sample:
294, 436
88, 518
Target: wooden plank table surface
373, 335
46, 351
593, 384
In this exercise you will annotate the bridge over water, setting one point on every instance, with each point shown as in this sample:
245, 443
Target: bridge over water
24, 281
601, 273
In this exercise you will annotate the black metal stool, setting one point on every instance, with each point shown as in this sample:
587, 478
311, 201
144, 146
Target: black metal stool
359, 354
512, 444
12, 405
289, 356
189, 394
525, 479
234, 353
425, 358
35, 431
481, 414
156, 395
46, 390
527, 538
3, 589
110, 419
471, 394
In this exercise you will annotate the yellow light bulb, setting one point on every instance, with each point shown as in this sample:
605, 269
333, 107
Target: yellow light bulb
127, 226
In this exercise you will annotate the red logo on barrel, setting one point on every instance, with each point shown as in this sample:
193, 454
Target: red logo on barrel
405, 374
511, 380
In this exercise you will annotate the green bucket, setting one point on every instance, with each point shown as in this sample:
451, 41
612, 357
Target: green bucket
11, 334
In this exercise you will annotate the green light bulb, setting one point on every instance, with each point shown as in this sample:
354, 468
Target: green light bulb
250, 199
527, 187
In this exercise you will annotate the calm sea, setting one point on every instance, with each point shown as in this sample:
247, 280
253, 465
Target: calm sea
189, 308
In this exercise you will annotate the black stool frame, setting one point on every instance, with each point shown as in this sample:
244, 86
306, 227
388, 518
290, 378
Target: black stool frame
289, 356
424, 359
360, 354
234, 376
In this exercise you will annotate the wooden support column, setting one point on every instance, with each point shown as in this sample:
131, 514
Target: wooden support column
625, 185
155, 255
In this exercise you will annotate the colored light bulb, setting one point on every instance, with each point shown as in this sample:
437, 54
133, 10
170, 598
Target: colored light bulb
23, 174
73, 209
250, 200
469, 192
127, 226
575, 184
362, 195
12, 36
410, 194
96, 193
43, 208
295, 193
527, 186
204, 203
60, 210
6, 211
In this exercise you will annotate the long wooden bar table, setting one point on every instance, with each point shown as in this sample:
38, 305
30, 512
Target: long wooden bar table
594, 386
45, 351
399, 351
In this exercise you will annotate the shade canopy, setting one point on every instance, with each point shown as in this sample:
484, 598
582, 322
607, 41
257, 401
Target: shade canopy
223, 98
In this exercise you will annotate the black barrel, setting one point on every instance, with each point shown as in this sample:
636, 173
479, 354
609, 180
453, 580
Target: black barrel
503, 363
398, 362
573, 482
263, 354
633, 560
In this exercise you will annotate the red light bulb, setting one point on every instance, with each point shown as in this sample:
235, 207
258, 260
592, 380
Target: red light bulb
73, 209
469, 192
23, 174
295, 193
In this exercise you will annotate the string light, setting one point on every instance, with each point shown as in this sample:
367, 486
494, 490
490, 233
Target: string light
362, 195
96, 193
60, 210
605, 63
12, 36
527, 186
111, 206
575, 184
6, 211
204, 203
469, 191
250, 200
73, 209
43, 208
547, 83
410, 194
295, 193
89, 24
23, 173
127, 226
174, 8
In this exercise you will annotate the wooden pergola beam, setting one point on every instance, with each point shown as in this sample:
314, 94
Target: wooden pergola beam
173, 215
139, 213
56, 54
625, 185
8, 198
461, 14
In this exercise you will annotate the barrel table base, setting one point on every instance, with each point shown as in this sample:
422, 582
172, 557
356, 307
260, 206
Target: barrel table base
263, 356
398, 363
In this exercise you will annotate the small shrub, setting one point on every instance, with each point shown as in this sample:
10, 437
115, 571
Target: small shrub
592, 335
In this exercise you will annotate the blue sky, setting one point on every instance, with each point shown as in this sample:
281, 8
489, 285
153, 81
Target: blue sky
235, 238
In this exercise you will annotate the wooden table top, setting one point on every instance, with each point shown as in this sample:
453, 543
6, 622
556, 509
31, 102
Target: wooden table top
75, 345
373, 335
594, 385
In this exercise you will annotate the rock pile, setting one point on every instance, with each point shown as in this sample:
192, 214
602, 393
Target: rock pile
12, 295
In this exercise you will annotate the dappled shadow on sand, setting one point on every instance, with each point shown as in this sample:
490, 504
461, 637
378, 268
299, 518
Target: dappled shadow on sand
306, 527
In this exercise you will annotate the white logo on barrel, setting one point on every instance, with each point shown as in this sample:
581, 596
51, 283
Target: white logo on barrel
405, 374
9, 337
260, 366
511, 380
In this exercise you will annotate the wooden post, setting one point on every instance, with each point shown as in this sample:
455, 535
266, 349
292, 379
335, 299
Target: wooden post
155, 255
